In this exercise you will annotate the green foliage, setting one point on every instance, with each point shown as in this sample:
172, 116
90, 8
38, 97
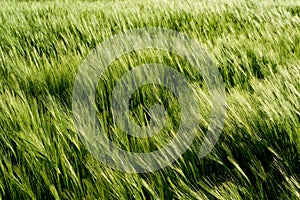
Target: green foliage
255, 46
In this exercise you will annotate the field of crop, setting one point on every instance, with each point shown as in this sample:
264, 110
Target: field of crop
254, 44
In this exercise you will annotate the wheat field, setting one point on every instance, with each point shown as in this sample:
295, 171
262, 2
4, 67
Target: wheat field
254, 44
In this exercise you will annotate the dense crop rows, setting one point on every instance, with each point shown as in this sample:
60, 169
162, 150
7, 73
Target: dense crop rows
255, 46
